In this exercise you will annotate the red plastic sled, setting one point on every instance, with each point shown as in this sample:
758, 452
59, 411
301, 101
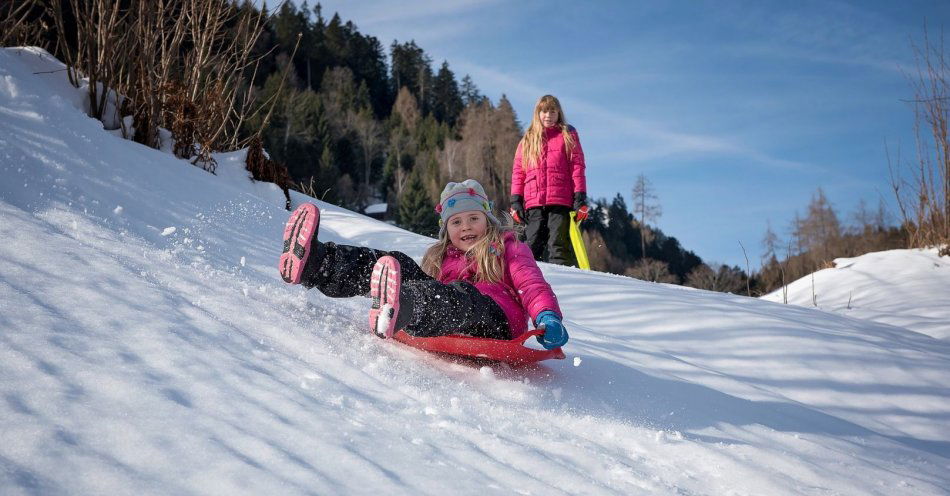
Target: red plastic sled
498, 350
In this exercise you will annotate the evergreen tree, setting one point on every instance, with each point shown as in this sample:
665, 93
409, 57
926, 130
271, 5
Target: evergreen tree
301, 142
430, 134
469, 92
412, 68
336, 42
287, 23
596, 216
416, 212
680, 262
621, 237
314, 47
371, 69
328, 177
446, 98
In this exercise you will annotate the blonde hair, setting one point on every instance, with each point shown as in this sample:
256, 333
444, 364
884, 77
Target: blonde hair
533, 138
488, 253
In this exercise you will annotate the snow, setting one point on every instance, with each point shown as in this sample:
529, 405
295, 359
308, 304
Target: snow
134, 361
382, 322
903, 288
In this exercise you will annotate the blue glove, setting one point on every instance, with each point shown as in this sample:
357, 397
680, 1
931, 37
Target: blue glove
555, 335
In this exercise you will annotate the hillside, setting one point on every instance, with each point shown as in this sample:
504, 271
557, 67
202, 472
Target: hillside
903, 288
148, 346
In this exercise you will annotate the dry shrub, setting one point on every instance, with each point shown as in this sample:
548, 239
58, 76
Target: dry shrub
717, 277
180, 65
648, 269
180, 113
15, 22
265, 169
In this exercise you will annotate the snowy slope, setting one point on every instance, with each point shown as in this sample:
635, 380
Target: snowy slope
149, 346
904, 288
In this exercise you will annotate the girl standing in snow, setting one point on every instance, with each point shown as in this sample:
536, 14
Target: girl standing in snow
548, 182
477, 280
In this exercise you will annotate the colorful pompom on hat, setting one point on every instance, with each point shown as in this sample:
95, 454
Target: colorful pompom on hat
463, 197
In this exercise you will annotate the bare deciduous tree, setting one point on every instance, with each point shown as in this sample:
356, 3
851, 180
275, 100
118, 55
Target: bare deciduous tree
370, 134
407, 107
484, 151
401, 138
923, 195
506, 133
716, 277
645, 208
770, 242
819, 232
97, 51
601, 259
648, 269
450, 157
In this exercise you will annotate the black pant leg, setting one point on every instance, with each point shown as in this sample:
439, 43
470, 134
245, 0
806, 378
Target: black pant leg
410, 270
342, 271
560, 249
536, 231
454, 308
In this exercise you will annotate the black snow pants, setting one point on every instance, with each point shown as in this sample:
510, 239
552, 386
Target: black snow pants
548, 228
341, 271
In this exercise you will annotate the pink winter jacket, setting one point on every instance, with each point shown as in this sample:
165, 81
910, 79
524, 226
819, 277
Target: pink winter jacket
521, 294
556, 177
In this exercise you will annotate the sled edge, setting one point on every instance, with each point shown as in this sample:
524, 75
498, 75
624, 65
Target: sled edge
508, 351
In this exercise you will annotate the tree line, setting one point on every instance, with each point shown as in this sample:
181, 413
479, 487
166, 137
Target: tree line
353, 133
332, 112
322, 107
920, 187
819, 236
355, 127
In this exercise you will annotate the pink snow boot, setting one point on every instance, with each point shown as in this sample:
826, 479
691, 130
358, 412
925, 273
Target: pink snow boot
385, 284
299, 233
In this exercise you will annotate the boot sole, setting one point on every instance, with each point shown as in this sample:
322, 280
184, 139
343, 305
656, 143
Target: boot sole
299, 231
385, 282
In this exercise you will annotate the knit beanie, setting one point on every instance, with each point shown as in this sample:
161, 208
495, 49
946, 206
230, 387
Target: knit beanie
463, 197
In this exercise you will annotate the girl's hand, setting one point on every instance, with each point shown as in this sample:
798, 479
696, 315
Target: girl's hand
580, 200
555, 335
517, 209
580, 206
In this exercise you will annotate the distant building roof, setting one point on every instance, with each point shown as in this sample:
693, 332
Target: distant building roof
377, 208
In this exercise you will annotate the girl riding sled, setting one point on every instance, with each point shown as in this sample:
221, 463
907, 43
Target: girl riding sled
548, 182
477, 280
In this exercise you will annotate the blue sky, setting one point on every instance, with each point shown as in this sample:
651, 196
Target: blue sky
735, 111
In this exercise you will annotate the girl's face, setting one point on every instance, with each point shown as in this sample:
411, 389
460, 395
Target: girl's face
548, 117
467, 228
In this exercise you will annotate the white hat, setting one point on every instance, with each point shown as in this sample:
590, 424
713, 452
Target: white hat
463, 197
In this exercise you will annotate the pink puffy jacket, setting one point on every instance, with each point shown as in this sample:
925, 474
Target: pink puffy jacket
521, 294
556, 177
